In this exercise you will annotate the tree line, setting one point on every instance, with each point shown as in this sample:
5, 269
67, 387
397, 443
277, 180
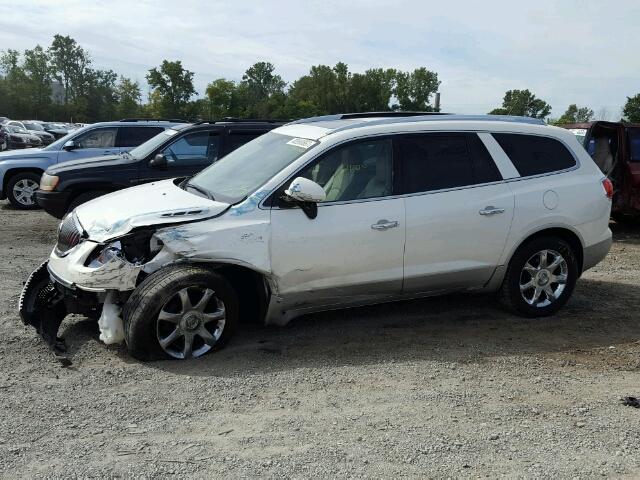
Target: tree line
60, 83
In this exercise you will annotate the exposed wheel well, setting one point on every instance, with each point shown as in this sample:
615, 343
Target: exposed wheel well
251, 290
9, 174
565, 234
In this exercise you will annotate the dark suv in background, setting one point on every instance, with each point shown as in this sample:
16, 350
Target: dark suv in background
180, 151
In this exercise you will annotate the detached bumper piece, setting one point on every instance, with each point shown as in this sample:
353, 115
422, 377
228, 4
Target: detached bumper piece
42, 306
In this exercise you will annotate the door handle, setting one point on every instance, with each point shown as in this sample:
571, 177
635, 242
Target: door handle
491, 210
384, 225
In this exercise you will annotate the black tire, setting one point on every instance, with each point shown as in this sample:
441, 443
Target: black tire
510, 294
28, 177
140, 313
84, 198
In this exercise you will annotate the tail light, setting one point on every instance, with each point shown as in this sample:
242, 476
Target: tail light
608, 188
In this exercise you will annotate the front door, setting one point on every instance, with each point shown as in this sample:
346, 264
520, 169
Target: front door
352, 251
92, 143
186, 156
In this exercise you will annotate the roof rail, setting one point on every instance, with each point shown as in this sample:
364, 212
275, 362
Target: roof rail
241, 120
357, 115
175, 120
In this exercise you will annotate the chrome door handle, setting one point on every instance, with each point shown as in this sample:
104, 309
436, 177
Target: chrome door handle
491, 210
384, 225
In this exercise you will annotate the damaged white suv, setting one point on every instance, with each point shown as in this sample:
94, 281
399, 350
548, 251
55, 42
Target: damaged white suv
326, 213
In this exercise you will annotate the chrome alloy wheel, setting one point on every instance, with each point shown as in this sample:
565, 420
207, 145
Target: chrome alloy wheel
543, 278
190, 322
24, 192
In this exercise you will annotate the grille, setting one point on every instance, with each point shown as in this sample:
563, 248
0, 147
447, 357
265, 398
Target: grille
69, 235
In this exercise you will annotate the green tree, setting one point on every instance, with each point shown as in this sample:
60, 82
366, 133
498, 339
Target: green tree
128, 96
372, 90
173, 85
18, 101
100, 95
260, 94
38, 72
575, 115
523, 103
414, 89
631, 110
220, 96
69, 64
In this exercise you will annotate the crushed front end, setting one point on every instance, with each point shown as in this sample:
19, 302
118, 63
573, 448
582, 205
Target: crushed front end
84, 277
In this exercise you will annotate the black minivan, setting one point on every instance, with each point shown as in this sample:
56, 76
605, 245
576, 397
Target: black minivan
180, 151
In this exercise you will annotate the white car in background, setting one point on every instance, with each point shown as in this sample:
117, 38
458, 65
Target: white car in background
331, 212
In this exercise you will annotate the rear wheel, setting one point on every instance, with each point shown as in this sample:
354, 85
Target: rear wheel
21, 190
540, 278
180, 312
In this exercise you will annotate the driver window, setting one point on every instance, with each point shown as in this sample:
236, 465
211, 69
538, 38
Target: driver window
99, 138
200, 148
356, 171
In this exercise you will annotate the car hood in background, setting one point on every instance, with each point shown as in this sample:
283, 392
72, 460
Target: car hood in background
101, 161
26, 154
157, 203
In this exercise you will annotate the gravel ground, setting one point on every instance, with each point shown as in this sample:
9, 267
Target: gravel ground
443, 387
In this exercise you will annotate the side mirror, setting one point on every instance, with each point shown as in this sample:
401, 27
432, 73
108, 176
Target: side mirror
305, 190
307, 194
70, 145
159, 161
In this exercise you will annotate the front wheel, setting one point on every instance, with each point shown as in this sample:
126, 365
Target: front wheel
540, 278
181, 312
21, 190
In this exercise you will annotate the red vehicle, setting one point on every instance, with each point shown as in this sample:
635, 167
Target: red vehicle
615, 147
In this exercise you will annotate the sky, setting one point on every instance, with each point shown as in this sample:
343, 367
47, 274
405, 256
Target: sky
569, 51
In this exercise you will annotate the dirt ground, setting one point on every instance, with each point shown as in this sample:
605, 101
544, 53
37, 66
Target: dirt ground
443, 387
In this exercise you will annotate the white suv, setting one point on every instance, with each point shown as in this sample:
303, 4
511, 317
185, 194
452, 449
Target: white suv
326, 213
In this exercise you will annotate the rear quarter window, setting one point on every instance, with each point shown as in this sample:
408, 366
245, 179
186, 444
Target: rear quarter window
535, 155
634, 144
134, 136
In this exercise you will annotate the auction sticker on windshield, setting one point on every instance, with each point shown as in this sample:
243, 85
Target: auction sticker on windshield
301, 142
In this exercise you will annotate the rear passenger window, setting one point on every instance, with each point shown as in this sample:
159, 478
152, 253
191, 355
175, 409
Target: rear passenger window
534, 155
134, 136
439, 161
237, 139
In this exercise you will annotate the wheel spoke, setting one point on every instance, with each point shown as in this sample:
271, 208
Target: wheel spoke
201, 305
207, 336
551, 296
530, 269
185, 300
561, 279
543, 259
170, 317
526, 286
536, 295
188, 346
169, 339
219, 314
555, 264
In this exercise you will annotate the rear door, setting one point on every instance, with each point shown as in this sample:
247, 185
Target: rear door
458, 211
131, 137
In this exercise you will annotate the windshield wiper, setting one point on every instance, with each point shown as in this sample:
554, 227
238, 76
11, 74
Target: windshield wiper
205, 192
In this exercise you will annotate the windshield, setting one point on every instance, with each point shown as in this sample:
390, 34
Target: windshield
150, 145
16, 129
240, 173
57, 145
33, 126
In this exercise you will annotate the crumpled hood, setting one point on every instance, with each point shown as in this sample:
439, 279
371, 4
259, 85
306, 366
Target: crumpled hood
157, 203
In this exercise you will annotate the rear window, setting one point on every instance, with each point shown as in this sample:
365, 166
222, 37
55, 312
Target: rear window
134, 136
237, 139
634, 144
535, 155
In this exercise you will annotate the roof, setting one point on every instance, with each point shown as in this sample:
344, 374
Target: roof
316, 127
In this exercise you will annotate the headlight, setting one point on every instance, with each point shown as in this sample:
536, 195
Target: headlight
104, 256
48, 183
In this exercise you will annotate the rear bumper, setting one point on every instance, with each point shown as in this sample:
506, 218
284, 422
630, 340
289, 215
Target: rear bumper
594, 254
54, 203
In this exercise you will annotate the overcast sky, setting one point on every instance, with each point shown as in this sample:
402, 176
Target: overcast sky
584, 52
